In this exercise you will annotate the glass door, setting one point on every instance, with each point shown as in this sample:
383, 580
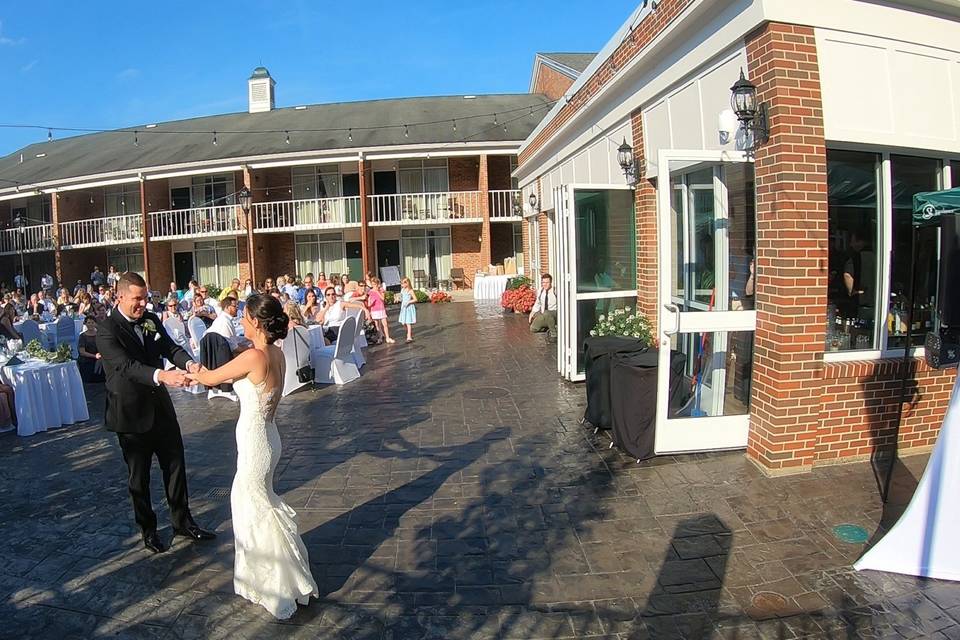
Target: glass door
598, 263
707, 233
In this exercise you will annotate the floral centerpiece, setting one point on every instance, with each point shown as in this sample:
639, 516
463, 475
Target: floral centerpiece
624, 322
520, 299
438, 297
36, 350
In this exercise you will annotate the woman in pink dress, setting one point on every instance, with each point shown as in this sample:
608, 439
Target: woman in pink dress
378, 310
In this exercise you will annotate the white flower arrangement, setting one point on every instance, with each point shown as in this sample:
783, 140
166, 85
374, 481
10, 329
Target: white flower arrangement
624, 322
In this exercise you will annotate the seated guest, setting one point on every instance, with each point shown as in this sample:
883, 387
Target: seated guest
321, 281
292, 309
171, 310
8, 315
91, 369
225, 325
8, 408
333, 313
307, 288
209, 300
311, 306
84, 303
232, 291
34, 306
248, 289
201, 310
173, 292
543, 315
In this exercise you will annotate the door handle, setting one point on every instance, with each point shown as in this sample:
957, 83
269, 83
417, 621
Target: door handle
675, 310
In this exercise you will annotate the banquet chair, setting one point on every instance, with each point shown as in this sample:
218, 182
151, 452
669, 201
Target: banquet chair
197, 328
357, 346
458, 278
66, 332
30, 330
420, 279
296, 354
178, 333
334, 364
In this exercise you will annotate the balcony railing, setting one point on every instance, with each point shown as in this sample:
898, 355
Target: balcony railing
199, 221
99, 232
426, 208
38, 237
506, 204
321, 213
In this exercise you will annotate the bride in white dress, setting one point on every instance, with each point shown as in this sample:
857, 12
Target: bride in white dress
271, 567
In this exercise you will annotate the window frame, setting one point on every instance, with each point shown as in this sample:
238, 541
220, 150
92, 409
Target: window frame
885, 246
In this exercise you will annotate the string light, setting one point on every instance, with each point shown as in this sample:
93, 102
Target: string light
91, 199
136, 140
454, 125
504, 127
350, 135
287, 133
406, 132
495, 119
49, 135
214, 138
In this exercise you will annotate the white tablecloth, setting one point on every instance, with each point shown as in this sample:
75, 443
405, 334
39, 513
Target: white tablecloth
47, 395
489, 287
924, 540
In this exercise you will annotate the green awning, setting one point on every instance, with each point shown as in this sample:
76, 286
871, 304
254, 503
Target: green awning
930, 206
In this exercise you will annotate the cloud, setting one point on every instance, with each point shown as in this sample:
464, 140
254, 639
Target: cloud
7, 40
29, 66
128, 74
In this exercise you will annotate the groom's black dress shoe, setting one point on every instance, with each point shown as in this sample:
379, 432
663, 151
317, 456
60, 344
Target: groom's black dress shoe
195, 533
152, 542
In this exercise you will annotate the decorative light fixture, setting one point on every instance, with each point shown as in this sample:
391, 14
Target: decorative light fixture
627, 162
19, 223
245, 198
752, 116
533, 201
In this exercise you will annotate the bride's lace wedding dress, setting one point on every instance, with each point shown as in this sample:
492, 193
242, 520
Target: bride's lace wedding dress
271, 566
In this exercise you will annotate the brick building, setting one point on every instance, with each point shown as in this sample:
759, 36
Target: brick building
774, 265
422, 183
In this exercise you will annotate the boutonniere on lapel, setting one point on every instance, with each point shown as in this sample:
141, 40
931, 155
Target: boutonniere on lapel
149, 327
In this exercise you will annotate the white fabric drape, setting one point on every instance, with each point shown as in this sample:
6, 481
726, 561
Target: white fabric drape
414, 252
924, 540
47, 395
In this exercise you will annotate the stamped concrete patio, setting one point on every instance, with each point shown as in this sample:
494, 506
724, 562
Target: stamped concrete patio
451, 493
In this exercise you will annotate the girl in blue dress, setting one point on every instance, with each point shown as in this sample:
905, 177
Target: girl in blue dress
408, 312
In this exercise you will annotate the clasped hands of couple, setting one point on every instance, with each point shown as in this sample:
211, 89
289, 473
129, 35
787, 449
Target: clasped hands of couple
178, 378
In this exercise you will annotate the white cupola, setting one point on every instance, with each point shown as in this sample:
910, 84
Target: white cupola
260, 92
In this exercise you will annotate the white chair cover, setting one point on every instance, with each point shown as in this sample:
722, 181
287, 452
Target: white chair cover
178, 333
296, 354
66, 331
30, 331
197, 329
357, 346
335, 364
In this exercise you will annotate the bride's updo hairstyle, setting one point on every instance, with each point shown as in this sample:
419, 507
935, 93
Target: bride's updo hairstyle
273, 321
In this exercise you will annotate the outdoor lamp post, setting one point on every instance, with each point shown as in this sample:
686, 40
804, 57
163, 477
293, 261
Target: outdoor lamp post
19, 223
627, 162
752, 116
245, 198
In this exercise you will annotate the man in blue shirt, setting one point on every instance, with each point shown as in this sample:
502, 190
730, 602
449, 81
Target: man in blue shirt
307, 287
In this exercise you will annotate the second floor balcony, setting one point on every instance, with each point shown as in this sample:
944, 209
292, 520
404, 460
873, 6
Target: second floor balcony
426, 208
319, 213
224, 220
506, 205
100, 232
38, 237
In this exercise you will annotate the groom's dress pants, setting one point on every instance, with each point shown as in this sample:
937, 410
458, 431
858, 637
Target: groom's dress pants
164, 441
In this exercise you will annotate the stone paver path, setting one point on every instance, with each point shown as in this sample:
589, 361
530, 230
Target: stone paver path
451, 493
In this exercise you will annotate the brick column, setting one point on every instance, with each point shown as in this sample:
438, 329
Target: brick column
250, 222
145, 243
791, 260
55, 219
366, 250
645, 211
486, 241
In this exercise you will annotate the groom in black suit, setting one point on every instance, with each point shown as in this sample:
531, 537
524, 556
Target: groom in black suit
132, 343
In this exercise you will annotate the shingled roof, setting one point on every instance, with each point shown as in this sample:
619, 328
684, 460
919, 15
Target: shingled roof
574, 61
239, 135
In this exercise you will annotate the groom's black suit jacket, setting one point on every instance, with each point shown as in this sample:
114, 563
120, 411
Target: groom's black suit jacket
134, 403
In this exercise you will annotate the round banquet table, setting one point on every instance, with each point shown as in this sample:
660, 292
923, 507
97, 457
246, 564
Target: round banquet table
47, 395
490, 287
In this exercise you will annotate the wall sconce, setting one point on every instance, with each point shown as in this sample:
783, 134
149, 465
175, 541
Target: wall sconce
752, 116
627, 162
533, 202
245, 198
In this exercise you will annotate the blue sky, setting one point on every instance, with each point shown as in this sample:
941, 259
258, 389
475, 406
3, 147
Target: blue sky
109, 63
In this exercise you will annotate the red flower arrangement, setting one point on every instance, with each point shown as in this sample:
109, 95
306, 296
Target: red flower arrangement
520, 299
440, 296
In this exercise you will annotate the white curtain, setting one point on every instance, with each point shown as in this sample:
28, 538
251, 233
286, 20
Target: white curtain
207, 266
415, 256
435, 180
444, 257
306, 257
331, 259
411, 181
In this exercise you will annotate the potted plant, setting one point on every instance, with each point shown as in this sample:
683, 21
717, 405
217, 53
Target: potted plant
625, 322
438, 297
519, 300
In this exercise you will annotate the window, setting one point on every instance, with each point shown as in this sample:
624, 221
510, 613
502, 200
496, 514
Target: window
514, 182
910, 176
320, 253
853, 200
423, 176
126, 259
427, 250
314, 182
212, 191
870, 203
216, 261
32, 210
122, 200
